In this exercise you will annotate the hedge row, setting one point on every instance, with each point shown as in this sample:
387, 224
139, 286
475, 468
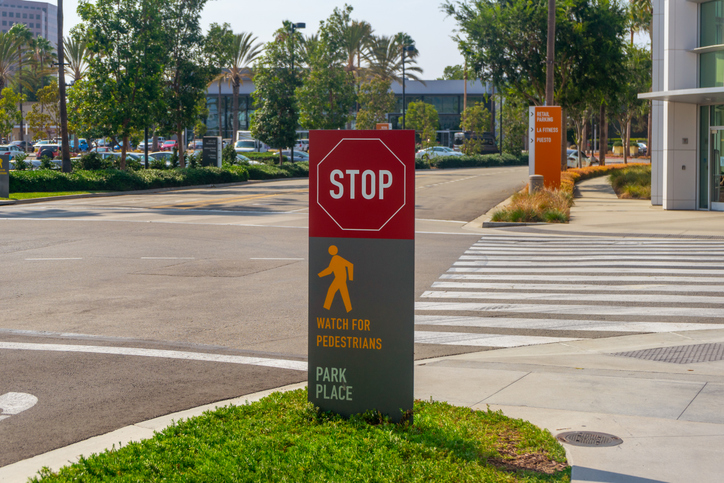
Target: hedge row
287, 170
116, 180
480, 160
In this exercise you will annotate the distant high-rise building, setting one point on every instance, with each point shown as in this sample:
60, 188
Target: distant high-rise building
40, 17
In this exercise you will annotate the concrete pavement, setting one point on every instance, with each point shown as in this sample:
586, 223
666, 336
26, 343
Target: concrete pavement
666, 408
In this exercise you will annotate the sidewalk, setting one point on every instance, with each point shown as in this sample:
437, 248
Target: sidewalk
669, 414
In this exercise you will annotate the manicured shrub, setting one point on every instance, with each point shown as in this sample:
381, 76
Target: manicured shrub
480, 160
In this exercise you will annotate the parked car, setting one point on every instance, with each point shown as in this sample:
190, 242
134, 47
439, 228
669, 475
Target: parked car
643, 149
11, 150
82, 145
101, 149
437, 151
298, 155
244, 159
572, 158
196, 145
24, 145
302, 145
169, 145
161, 156
49, 150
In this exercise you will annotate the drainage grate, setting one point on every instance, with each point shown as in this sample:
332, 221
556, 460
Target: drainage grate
681, 354
589, 438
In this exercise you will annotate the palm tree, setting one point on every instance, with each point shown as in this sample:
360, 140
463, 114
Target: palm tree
354, 39
384, 55
8, 59
76, 57
22, 36
243, 52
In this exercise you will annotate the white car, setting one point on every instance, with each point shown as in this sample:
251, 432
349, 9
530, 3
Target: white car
302, 145
572, 158
437, 151
250, 146
11, 150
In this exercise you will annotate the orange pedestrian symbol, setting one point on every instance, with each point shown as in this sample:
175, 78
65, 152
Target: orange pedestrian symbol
340, 268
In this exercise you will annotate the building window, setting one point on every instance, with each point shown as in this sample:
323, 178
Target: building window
5, 14
25, 15
711, 69
12, 14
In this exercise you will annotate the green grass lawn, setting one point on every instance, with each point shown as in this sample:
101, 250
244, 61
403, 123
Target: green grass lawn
284, 438
28, 196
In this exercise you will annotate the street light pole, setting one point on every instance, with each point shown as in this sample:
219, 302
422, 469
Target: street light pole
405, 48
298, 25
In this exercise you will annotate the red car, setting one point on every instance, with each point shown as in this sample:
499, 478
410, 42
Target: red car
169, 145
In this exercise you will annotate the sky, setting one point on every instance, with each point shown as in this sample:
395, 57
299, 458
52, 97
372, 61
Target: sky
421, 19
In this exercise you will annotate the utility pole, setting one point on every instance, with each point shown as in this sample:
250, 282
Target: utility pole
405, 48
65, 150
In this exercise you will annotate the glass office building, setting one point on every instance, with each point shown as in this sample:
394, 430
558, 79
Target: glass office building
687, 155
446, 96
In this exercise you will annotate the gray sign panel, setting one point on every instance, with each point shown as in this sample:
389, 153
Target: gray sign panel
211, 151
361, 325
4, 176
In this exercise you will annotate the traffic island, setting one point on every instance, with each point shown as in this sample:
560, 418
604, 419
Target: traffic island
283, 437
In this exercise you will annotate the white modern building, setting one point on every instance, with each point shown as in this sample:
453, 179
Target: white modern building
687, 155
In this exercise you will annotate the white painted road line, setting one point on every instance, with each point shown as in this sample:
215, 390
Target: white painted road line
562, 287
276, 259
165, 354
13, 403
533, 251
168, 258
552, 309
483, 340
49, 259
580, 278
578, 297
560, 324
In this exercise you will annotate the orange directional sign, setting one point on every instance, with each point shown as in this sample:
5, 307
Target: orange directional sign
4, 176
544, 140
361, 271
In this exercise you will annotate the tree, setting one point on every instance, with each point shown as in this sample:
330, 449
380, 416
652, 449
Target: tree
423, 118
515, 124
9, 113
242, 51
277, 115
218, 44
452, 72
22, 36
476, 119
635, 74
122, 89
385, 58
76, 56
327, 94
8, 59
45, 113
187, 72
376, 100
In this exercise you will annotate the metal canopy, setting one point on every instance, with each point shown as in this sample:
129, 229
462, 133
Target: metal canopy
709, 95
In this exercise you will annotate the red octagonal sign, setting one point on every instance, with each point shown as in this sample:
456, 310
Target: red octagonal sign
362, 184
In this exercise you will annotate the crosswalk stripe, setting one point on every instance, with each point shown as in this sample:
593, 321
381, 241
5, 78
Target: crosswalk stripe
581, 278
649, 287
701, 271
560, 324
483, 340
574, 284
578, 297
470, 255
554, 309
493, 262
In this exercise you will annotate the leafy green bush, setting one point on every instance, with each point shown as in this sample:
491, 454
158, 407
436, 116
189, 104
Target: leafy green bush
480, 160
228, 154
632, 182
288, 170
93, 162
422, 163
20, 163
116, 180
47, 163
193, 160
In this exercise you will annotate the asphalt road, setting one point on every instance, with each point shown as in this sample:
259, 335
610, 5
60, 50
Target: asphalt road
120, 309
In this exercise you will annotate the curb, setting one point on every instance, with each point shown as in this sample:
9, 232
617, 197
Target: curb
21, 471
8, 202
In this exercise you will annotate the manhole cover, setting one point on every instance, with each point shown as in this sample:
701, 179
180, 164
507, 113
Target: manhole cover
589, 438
682, 354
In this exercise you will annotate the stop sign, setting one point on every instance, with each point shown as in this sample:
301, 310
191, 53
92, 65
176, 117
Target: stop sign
361, 184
